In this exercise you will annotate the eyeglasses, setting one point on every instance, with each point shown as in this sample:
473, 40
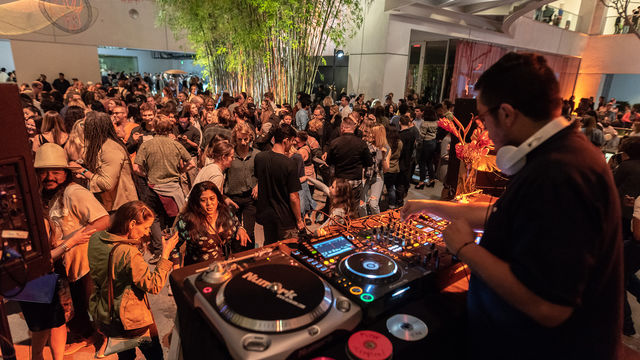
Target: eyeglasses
490, 110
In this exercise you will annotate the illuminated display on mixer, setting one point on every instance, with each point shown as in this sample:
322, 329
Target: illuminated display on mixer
333, 247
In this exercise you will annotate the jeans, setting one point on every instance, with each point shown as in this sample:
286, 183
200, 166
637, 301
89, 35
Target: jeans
375, 186
246, 214
307, 204
390, 181
425, 160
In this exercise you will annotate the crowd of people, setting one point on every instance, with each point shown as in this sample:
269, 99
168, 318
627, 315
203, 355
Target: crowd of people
191, 176
122, 166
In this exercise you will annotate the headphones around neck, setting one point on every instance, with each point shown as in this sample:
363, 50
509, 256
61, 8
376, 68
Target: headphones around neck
511, 159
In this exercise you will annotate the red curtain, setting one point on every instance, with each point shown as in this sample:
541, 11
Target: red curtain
472, 59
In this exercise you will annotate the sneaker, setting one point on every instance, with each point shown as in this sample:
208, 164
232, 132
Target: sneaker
154, 259
72, 348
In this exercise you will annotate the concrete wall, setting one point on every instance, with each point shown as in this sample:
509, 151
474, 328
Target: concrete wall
6, 57
35, 58
609, 54
379, 52
114, 27
146, 63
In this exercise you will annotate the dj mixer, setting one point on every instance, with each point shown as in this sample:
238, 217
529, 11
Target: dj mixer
379, 263
311, 296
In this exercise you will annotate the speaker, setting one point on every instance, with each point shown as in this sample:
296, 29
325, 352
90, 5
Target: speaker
24, 253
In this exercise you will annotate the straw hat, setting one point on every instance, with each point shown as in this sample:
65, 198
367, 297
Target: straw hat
49, 156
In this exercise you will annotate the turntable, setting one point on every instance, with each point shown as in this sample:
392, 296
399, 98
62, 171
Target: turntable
269, 306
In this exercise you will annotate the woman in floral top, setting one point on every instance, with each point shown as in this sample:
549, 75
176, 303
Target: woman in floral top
207, 225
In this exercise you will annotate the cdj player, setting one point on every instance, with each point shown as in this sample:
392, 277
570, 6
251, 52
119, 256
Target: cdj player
268, 306
378, 266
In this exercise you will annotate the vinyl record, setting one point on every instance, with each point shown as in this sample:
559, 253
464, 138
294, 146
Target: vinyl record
407, 327
369, 345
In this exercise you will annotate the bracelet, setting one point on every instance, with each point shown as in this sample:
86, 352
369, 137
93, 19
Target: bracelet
462, 247
65, 247
84, 171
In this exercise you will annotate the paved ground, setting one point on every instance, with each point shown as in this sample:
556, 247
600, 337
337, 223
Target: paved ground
164, 310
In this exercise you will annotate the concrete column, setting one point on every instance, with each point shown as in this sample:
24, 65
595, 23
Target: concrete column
33, 58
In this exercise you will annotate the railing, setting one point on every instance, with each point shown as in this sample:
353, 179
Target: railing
557, 17
615, 25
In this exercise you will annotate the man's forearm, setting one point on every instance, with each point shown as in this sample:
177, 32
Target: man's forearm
475, 214
294, 201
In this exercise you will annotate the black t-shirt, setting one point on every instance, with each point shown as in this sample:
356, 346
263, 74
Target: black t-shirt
277, 178
408, 137
349, 154
558, 227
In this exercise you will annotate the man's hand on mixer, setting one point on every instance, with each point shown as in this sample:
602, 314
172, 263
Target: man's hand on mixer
458, 235
412, 208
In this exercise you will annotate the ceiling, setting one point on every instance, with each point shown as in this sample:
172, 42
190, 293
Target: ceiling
492, 15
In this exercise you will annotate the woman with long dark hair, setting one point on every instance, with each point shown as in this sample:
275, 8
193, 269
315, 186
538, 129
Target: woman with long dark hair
116, 253
108, 167
208, 226
393, 167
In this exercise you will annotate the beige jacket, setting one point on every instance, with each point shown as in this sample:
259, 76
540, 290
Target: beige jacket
113, 182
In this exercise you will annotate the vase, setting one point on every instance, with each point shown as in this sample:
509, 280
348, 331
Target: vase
466, 179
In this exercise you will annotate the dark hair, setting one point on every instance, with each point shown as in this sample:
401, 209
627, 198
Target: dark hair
631, 147
393, 137
195, 216
282, 132
403, 108
97, 106
405, 120
302, 135
98, 128
134, 112
73, 114
505, 81
429, 114
133, 210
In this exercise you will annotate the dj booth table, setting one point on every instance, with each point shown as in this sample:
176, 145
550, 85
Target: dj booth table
443, 313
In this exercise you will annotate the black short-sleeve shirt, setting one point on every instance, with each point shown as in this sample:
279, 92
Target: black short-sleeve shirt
277, 178
558, 227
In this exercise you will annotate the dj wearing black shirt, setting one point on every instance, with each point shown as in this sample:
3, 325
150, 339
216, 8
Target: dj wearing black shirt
546, 277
